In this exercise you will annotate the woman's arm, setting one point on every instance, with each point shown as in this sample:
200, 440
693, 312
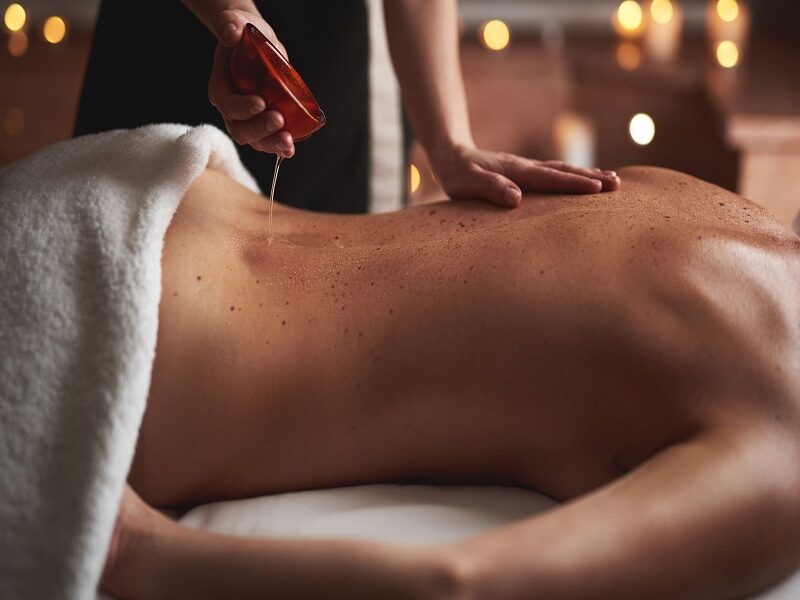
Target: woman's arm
715, 516
154, 558
703, 518
424, 43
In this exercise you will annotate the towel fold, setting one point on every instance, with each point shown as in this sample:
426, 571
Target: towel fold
82, 226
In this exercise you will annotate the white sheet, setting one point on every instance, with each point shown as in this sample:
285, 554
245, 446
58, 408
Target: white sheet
404, 514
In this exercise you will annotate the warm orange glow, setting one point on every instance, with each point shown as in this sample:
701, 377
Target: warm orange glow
15, 17
661, 11
414, 178
17, 44
495, 35
728, 10
642, 129
629, 15
629, 57
727, 54
13, 122
55, 29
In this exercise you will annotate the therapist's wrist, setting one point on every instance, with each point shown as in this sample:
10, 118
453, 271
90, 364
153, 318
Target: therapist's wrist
445, 152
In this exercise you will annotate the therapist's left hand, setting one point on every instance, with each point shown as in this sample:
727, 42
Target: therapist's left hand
500, 178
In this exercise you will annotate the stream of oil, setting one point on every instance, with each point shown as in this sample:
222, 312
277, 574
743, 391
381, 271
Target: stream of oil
278, 161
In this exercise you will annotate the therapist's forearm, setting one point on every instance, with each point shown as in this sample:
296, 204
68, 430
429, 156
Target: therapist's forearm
424, 43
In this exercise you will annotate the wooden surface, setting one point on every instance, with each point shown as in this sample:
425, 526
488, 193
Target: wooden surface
44, 84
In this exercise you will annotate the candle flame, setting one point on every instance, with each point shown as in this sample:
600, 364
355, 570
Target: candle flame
495, 34
727, 54
642, 129
414, 178
55, 29
15, 17
661, 11
629, 15
728, 10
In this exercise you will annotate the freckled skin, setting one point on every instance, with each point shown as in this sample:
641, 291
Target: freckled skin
558, 346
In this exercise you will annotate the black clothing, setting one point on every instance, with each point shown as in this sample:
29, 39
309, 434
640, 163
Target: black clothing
151, 60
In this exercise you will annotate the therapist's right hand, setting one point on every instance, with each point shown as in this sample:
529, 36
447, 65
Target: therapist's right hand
246, 117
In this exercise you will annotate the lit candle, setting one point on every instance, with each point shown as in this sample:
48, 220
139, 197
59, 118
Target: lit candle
54, 30
574, 138
664, 28
728, 20
495, 35
628, 20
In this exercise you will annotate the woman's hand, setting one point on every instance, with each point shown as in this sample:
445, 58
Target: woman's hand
246, 117
501, 178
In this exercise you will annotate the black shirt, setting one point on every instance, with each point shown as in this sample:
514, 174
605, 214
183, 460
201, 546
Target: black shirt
150, 63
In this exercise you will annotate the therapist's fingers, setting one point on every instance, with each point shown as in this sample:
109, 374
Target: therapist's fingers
255, 128
280, 143
479, 183
538, 177
240, 108
609, 179
228, 25
232, 105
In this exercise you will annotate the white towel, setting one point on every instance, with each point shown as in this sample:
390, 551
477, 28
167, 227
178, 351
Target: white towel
82, 225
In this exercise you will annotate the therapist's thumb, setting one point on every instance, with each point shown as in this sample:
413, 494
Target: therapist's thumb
228, 27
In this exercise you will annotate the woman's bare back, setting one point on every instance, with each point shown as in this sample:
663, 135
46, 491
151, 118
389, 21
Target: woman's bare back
555, 346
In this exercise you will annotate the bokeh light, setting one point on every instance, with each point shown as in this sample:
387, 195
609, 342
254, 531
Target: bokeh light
495, 35
728, 10
17, 44
414, 178
13, 122
15, 17
642, 129
629, 56
661, 11
727, 54
55, 30
629, 15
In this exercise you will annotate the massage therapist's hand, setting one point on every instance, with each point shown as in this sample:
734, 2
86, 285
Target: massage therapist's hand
246, 117
470, 173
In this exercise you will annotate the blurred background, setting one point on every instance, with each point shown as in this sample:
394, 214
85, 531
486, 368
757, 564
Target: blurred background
708, 87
